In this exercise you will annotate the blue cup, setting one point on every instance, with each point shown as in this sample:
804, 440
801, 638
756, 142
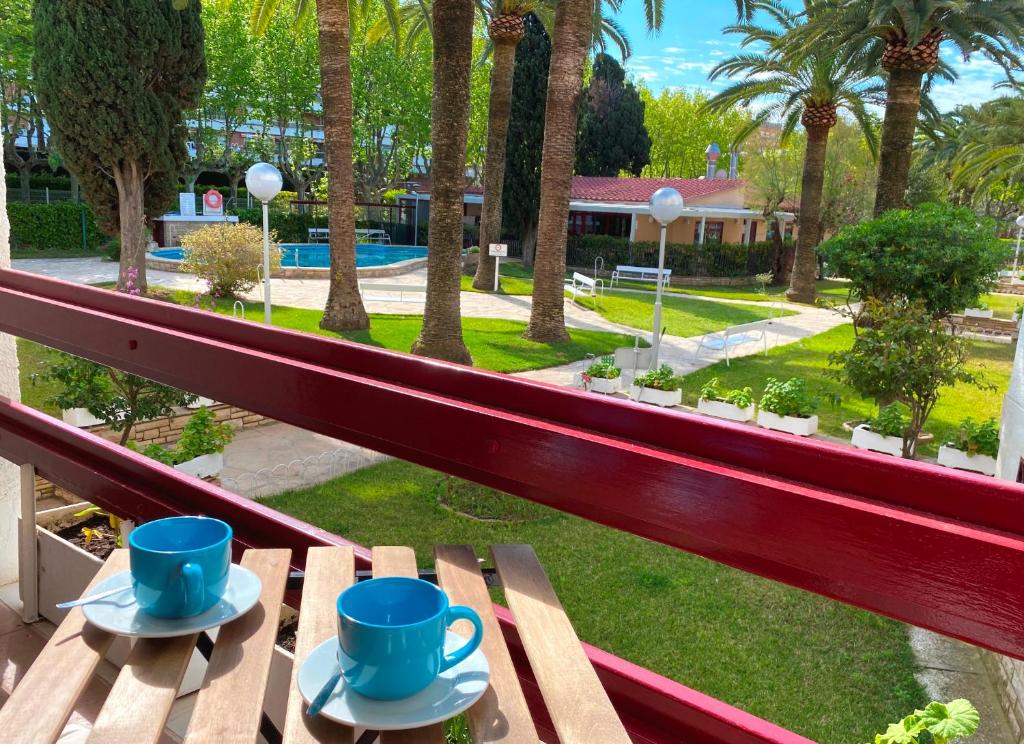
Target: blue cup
179, 565
391, 634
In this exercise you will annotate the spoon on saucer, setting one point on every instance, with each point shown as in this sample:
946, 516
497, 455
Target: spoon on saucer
324, 695
91, 598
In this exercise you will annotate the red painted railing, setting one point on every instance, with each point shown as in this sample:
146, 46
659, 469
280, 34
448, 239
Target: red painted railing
936, 548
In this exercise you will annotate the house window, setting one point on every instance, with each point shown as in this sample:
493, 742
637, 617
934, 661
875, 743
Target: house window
773, 225
713, 231
599, 223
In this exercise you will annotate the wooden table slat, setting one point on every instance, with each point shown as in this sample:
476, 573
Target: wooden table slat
328, 572
401, 561
137, 708
230, 703
501, 715
578, 703
40, 705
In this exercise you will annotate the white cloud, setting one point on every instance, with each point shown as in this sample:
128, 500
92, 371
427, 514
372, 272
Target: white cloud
647, 75
673, 50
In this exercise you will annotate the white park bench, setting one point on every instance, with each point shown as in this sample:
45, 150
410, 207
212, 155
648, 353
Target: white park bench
383, 292
640, 274
319, 234
738, 335
581, 284
368, 235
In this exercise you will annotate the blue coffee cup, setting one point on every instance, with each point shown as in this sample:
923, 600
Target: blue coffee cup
179, 565
391, 634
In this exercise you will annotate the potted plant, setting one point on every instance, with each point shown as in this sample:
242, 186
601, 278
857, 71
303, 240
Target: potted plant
944, 723
200, 450
981, 311
662, 387
602, 376
975, 447
787, 406
883, 433
734, 405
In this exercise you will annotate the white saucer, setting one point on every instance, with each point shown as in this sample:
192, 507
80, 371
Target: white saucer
451, 693
120, 615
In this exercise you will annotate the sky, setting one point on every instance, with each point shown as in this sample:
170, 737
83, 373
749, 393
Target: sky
692, 43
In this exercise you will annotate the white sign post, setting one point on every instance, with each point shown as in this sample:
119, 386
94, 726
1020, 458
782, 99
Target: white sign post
187, 204
498, 250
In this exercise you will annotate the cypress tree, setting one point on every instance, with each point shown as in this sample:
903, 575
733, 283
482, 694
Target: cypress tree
114, 77
521, 196
612, 136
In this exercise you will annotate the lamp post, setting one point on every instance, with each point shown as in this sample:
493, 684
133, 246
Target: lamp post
1016, 252
264, 182
666, 206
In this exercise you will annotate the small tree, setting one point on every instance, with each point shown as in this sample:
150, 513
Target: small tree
117, 398
227, 256
611, 136
945, 257
904, 354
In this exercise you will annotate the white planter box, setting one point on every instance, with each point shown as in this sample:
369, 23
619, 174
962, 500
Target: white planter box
802, 427
951, 457
200, 402
204, 466
663, 398
607, 387
864, 438
977, 312
723, 410
79, 417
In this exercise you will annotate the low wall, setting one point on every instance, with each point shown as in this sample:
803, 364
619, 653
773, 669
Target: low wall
292, 272
1006, 674
162, 431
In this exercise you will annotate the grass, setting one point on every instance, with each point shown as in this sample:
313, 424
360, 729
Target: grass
825, 670
57, 253
683, 316
34, 359
495, 344
809, 359
1003, 305
516, 279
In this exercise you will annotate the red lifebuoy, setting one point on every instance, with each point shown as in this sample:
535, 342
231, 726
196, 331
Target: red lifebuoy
212, 199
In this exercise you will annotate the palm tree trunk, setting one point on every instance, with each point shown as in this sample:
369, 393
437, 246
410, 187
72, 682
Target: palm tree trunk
441, 335
805, 263
565, 84
502, 70
344, 310
902, 103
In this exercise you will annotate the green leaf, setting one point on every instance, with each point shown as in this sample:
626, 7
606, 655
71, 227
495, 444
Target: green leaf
954, 720
903, 732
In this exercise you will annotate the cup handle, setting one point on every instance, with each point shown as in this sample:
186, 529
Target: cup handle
463, 613
195, 587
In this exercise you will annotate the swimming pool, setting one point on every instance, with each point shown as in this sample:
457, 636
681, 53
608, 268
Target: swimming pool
318, 255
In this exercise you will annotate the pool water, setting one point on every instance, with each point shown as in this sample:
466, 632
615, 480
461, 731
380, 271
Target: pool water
318, 255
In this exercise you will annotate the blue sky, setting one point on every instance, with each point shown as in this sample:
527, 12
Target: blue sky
692, 43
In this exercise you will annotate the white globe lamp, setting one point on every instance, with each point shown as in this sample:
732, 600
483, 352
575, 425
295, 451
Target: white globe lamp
264, 182
666, 206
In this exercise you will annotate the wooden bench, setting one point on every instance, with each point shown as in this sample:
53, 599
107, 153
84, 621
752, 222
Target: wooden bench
989, 327
319, 234
581, 284
389, 290
641, 274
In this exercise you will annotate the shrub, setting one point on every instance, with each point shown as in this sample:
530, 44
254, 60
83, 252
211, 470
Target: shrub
290, 227
55, 226
202, 435
113, 248
227, 256
741, 398
789, 398
663, 378
945, 257
904, 354
709, 260
604, 369
977, 439
891, 421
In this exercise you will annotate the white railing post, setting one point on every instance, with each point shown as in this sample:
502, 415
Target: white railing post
28, 555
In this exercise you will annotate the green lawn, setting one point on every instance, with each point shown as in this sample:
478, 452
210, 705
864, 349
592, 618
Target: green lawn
682, 315
1003, 305
809, 359
34, 359
830, 672
496, 345
57, 253
516, 279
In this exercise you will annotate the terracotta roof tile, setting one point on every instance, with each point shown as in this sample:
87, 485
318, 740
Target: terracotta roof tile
599, 188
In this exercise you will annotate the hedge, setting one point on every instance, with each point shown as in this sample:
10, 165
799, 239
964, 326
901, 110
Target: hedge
57, 226
708, 260
290, 227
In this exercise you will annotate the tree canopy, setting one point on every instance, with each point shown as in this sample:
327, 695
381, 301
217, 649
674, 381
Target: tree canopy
612, 136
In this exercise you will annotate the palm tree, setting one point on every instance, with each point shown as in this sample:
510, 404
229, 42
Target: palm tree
344, 309
904, 38
809, 90
441, 335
